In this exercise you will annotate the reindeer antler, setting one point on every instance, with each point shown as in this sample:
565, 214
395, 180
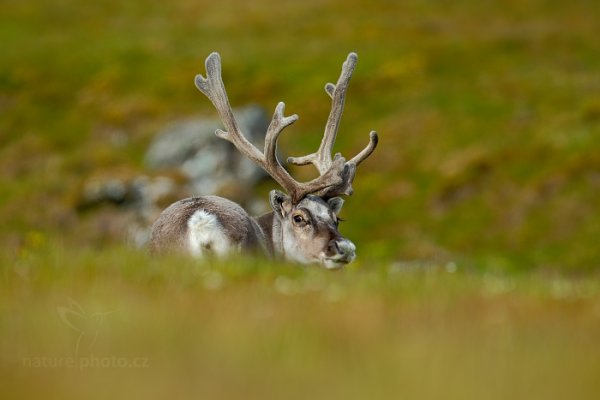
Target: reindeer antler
336, 175
322, 158
212, 86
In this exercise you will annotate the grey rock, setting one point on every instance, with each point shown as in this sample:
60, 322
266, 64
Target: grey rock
192, 146
210, 165
97, 191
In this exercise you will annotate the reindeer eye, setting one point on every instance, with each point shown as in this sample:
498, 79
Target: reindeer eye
298, 220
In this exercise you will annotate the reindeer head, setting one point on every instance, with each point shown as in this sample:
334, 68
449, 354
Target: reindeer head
309, 230
308, 213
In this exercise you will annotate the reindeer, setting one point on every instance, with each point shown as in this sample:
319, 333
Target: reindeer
303, 224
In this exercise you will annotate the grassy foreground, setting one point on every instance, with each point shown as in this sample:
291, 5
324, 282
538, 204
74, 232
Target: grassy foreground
122, 324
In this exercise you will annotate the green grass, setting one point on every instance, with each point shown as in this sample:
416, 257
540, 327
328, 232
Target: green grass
489, 160
254, 329
487, 113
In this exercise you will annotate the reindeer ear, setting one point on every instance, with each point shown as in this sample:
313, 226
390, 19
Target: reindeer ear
335, 204
280, 202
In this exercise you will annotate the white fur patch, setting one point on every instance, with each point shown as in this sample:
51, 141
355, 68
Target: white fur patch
294, 252
206, 235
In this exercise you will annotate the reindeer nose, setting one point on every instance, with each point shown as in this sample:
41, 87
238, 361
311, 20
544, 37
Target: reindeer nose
342, 248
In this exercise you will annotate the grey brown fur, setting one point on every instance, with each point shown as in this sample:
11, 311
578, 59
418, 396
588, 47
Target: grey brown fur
170, 230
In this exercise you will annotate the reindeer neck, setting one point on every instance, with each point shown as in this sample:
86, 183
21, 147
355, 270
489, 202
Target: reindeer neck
271, 228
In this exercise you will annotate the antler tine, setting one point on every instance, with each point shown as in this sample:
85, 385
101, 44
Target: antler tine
345, 187
366, 152
278, 123
322, 158
212, 86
